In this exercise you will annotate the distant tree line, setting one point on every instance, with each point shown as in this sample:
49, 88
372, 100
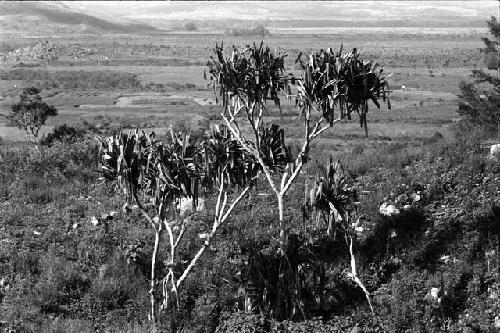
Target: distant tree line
258, 30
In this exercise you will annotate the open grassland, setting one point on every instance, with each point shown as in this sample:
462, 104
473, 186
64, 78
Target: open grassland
153, 80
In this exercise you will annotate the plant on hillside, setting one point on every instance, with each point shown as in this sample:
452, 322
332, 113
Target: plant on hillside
165, 181
30, 114
478, 104
248, 78
334, 195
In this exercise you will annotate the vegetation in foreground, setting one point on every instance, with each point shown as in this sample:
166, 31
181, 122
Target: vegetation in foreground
433, 267
73, 261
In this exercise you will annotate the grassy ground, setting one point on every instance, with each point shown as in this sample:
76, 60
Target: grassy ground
58, 277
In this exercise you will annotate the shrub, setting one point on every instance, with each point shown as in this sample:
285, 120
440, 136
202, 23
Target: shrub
258, 30
190, 26
63, 134
60, 286
30, 114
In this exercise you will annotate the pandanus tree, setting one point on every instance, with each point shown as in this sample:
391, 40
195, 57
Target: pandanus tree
158, 176
331, 87
248, 78
335, 195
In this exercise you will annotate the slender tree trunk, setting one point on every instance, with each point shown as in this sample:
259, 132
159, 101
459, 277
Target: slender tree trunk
282, 238
153, 276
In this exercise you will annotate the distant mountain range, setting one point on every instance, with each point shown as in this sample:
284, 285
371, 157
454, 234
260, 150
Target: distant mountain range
45, 18
48, 18
165, 14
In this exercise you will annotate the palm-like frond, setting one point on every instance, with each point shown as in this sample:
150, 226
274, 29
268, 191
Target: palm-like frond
343, 81
276, 155
224, 155
333, 192
144, 166
254, 74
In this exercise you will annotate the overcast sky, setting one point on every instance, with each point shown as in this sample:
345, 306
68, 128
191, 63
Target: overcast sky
276, 10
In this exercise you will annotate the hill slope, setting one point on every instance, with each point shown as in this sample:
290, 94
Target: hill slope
42, 18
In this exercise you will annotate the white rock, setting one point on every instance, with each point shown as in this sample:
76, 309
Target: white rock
75, 225
359, 229
94, 221
495, 152
203, 236
185, 206
497, 322
388, 209
36, 233
445, 259
492, 294
434, 293
490, 254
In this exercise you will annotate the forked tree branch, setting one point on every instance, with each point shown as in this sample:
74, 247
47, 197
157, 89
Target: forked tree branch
254, 152
218, 221
299, 161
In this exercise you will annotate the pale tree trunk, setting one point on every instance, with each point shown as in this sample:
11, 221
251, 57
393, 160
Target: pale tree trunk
153, 276
282, 224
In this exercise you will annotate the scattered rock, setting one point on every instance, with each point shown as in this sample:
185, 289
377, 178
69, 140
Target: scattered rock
495, 152
94, 221
109, 217
388, 209
44, 51
185, 206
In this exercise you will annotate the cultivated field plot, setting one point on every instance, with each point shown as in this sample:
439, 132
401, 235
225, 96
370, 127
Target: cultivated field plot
162, 82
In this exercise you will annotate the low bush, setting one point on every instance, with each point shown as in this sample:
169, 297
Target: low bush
63, 134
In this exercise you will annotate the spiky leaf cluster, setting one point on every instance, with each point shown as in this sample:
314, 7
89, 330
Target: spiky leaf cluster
224, 156
144, 166
333, 192
254, 74
340, 81
275, 154
166, 172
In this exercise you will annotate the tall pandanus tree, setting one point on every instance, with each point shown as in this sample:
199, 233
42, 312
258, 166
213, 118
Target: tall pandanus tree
247, 78
333, 80
335, 195
157, 176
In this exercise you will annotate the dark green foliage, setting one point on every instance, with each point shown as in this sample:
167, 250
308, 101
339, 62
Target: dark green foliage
258, 30
63, 134
345, 81
223, 155
479, 105
165, 172
190, 26
86, 269
275, 154
253, 74
31, 113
